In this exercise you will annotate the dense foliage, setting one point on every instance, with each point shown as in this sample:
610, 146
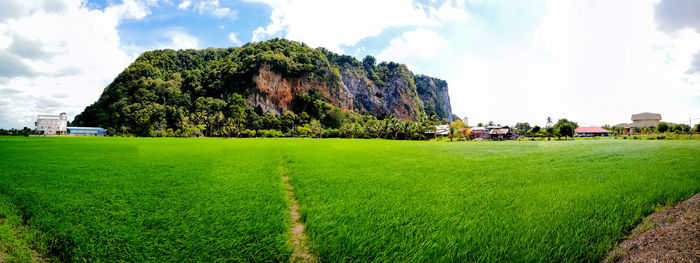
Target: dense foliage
203, 93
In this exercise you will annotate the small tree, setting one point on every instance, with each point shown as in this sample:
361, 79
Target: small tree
550, 132
456, 129
662, 127
567, 130
334, 118
522, 128
686, 128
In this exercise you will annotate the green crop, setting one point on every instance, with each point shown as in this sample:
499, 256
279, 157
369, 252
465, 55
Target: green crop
173, 200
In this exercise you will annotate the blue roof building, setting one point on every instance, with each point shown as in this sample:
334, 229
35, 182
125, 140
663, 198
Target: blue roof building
87, 131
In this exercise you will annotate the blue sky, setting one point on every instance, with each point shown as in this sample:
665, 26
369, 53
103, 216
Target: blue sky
592, 61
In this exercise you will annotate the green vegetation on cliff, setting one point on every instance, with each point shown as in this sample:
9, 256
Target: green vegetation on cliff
213, 92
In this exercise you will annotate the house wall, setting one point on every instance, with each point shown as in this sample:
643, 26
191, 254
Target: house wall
647, 122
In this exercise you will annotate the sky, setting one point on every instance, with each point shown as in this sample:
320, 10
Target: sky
594, 62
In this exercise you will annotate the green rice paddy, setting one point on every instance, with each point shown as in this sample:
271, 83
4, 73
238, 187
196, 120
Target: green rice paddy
224, 200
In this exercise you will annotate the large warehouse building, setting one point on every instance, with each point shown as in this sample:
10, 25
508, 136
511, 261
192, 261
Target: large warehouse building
87, 131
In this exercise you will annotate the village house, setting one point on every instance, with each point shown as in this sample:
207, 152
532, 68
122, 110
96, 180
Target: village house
496, 133
479, 133
592, 132
440, 130
499, 133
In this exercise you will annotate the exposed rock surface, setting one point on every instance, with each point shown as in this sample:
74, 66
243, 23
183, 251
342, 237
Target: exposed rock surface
401, 95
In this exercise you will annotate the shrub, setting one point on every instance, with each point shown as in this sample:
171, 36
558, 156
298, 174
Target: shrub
248, 133
661, 137
269, 133
331, 133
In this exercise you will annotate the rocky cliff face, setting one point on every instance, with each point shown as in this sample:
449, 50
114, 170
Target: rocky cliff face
434, 95
276, 93
397, 96
405, 96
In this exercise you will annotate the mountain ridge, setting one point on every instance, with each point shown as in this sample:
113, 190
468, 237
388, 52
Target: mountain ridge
166, 87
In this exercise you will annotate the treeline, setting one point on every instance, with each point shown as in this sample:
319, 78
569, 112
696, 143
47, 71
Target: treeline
663, 127
26, 131
562, 128
313, 118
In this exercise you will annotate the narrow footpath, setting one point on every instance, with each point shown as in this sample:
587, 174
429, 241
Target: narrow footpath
297, 238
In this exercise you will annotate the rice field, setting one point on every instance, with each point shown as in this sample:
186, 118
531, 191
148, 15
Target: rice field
191, 200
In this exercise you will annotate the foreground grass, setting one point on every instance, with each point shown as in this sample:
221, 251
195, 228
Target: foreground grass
103, 199
16, 238
490, 202
148, 199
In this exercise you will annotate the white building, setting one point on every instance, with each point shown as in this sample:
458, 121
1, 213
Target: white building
51, 124
644, 119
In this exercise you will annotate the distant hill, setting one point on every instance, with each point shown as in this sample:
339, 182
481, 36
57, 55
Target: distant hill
168, 89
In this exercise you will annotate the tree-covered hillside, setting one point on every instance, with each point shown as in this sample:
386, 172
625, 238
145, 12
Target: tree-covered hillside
278, 85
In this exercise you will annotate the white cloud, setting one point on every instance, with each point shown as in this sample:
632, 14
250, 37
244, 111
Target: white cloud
130, 9
70, 52
181, 40
209, 7
334, 23
594, 62
421, 43
259, 34
213, 7
184, 5
449, 11
233, 38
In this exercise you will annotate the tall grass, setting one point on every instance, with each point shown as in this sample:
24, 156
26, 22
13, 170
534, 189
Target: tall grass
173, 200
162, 200
489, 202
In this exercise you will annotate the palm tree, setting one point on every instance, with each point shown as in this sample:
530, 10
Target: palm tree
549, 132
427, 126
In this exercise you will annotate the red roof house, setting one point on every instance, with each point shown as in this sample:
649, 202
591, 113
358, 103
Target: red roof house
592, 131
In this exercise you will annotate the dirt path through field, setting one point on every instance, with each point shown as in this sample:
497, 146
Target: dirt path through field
297, 238
671, 235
